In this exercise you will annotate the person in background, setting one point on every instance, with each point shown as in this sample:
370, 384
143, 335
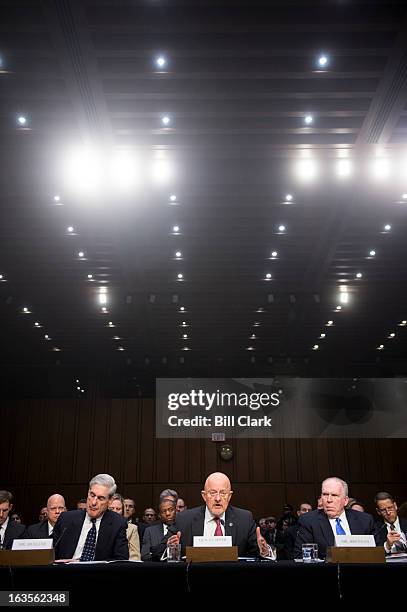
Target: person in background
43, 515
81, 504
391, 530
43, 529
154, 534
116, 504
130, 510
9, 530
286, 550
354, 504
181, 505
16, 518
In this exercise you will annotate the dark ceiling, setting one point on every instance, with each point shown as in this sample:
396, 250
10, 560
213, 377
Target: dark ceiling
240, 79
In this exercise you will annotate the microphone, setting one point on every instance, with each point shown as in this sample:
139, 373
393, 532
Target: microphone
60, 537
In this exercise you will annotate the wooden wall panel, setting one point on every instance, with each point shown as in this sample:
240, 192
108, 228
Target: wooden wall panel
50, 446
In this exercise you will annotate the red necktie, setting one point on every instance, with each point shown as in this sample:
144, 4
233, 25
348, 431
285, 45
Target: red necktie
218, 530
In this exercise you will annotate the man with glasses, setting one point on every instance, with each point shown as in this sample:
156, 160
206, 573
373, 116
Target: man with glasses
9, 530
93, 534
391, 531
322, 526
44, 529
218, 518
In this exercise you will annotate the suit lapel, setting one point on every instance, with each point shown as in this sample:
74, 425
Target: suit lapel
102, 541
230, 523
326, 529
197, 526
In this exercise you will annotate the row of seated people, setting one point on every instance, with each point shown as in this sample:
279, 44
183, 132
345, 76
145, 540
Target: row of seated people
95, 533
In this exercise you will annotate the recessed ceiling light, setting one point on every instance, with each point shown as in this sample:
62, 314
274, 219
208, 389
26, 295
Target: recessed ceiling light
185, 348
104, 309
160, 61
36, 324
359, 274
308, 119
392, 335
322, 336
403, 323
116, 338
120, 348
175, 229
387, 227
274, 253
173, 197
81, 254
404, 196
288, 197
180, 276
256, 324
1, 277
250, 348
111, 324
372, 253
182, 308
47, 337
69, 229
165, 120
57, 198
268, 276
253, 337
340, 307
21, 120
380, 347
185, 335
178, 254
281, 228
330, 323
315, 347
90, 276
322, 61
26, 310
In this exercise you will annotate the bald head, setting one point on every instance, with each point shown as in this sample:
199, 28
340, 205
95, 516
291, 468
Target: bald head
55, 506
217, 493
217, 479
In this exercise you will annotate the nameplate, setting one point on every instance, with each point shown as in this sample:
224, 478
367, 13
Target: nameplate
357, 541
210, 541
33, 544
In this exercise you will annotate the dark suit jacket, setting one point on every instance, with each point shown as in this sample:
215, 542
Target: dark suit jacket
285, 552
381, 531
315, 527
152, 538
14, 531
111, 542
239, 524
38, 530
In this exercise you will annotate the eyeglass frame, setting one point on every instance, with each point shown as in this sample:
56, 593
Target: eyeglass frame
222, 494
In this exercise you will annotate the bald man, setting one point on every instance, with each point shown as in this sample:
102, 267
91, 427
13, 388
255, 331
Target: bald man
55, 506
217, 518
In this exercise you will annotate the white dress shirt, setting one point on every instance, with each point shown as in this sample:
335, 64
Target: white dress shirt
344, 524
210, 523
3, 528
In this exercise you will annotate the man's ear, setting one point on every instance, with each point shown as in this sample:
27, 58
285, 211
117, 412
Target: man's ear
231, 493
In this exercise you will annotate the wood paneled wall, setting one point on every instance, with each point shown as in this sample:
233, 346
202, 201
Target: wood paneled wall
50, 446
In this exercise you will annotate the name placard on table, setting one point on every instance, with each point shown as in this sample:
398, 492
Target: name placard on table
210, 541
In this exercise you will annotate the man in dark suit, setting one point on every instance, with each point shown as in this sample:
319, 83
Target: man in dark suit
391, 531
44, 529
286, 549
216, 517
9, 529
321, 526
94, 534
153, 535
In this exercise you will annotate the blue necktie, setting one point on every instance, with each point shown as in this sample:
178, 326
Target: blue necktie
339, 529
88, 553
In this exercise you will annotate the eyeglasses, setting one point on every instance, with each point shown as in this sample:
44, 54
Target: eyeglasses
222, 494
386, 510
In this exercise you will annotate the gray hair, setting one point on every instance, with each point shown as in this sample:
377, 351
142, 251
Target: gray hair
168, 495
343, 483
104, 480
